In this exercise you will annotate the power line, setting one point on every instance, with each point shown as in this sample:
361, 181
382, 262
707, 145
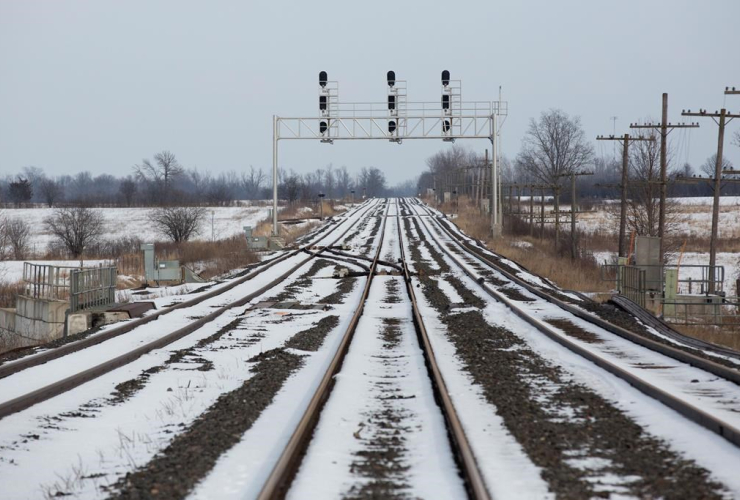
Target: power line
664, 128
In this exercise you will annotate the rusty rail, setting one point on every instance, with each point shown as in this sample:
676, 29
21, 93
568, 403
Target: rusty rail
278, 483
279, 480
474, 483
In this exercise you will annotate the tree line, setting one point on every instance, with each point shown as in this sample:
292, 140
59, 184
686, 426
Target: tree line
163, 180
555, 146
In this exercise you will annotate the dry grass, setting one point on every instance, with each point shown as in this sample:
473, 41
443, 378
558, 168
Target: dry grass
728, 336
8, 293
539, 256
219, 257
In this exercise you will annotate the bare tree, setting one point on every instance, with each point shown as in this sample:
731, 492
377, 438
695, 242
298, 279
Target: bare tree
736, 138
20, 191
4, 247
329, 181
220, 191
291, 187
709, 166
553, 147
162, 172
343, 181
709, 169
178, 223
50, 191
372, 181
252, 182
76, 228
17, 233
643, 206
128, 189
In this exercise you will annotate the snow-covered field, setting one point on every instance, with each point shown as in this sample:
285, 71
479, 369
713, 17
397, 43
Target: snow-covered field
697, 213
129, 222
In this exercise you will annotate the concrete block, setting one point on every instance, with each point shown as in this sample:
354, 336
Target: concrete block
7, 319
109, 317
38, 330
79, 322
48, 310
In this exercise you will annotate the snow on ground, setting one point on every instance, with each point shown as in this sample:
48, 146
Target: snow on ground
12, 270
697, 211
708, 449
353, 416
730, 261
708, 200
242, 470
58, 449
130, 222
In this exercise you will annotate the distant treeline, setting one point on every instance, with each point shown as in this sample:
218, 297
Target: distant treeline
164, 181
554, 147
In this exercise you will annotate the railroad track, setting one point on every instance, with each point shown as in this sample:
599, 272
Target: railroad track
669, 375
44, 390
389, 351
281, 478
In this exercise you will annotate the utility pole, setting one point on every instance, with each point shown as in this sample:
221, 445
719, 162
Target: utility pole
664, 128
614, 132
724, 118
542, 213
531, 210
625, 140
573, 240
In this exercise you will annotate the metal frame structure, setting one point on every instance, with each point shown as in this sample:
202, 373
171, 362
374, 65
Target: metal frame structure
447, 120
84, 288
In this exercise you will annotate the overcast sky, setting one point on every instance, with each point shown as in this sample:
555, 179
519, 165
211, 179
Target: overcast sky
99, 85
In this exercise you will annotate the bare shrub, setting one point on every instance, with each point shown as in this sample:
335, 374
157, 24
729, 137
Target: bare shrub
178, 223
17, 234
75, 228
51, 191
8, 292
4, 249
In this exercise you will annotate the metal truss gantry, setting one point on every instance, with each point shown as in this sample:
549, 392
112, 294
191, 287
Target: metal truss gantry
395, 121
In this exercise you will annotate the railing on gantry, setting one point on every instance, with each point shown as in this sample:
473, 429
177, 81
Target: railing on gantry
84, 288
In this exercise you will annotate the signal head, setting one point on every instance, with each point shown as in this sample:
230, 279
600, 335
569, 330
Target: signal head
391, 77
445, 78
323, 78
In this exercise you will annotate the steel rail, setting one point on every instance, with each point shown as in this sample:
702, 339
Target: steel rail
54, 389
472, 477
686, 409
31, 360
726, 372
665, 328
282, 474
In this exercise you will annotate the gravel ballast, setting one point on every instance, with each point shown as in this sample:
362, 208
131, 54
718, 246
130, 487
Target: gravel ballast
174, 471
586, 447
